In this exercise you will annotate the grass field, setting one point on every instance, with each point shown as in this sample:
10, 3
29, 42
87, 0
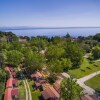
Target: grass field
94, 82
86, 68
35, 93
21, 91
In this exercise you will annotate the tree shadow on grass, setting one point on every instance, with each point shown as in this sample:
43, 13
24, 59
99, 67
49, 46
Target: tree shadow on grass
95, 65
88, 68
40, 98
82, 70
97, 92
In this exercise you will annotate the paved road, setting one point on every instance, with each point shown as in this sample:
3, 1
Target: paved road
81, 81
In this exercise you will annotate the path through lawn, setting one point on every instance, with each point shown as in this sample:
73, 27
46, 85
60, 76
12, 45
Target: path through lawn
86, 68
94, 82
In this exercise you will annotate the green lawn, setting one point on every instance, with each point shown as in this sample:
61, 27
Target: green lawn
94, 82
21, 91
35, 93
86, 68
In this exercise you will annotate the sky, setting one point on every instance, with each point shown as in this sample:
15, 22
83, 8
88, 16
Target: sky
50, 13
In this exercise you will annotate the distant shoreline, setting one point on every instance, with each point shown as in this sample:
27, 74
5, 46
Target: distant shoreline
30, 28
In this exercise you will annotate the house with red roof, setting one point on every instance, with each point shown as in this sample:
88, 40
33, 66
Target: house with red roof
36, 76
56, 86
13, 74
39, 83
11, 83
11, 92
7, 95
14, 93
50, 94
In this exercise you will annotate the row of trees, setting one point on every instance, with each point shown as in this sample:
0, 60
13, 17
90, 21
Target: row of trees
62, 51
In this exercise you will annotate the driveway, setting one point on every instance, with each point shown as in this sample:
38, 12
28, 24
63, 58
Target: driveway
81, 81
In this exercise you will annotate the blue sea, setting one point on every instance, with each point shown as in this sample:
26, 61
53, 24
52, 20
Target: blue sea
75, 32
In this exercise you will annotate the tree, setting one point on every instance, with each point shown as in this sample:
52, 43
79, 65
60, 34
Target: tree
66, 64
75, 53
39, 43
97, 37
11, 37
55, 66
16, 46
54, 52
3, 57
68, 36
70, 90
56, 40
4, 45
14, 57
2, 75
86, 47
96, 52
33, 60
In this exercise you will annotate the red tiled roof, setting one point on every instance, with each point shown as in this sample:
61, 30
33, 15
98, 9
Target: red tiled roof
14, 81
39, 74
9, 83
7, 68
10, 68
36, 74
88, 97
57, 87
45, 85
47, 94
55, 92
50, 93
13, 73
94, 97
7, 95
42, 81
37, 84
14, 92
